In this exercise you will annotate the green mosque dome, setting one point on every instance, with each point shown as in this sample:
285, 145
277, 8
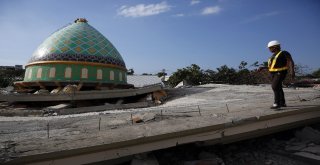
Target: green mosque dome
78, 42
76, 53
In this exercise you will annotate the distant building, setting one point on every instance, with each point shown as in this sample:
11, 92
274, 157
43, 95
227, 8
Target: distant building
16, 67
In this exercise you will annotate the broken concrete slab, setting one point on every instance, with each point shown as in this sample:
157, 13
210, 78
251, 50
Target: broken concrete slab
210, 156
312, 149
297, 147
148, 117
110, 143
142, 117
136, 118
309, 156
204, 162
308, 134
42, 91
59, 106
144, 159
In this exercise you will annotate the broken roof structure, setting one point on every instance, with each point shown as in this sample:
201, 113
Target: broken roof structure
75, 54
144, 80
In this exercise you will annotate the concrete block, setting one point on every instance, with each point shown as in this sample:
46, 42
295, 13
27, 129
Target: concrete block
148, 116
313, 157
144, 159
313, 149
203, 162
297, 147
137, 118
308, 134
59, 106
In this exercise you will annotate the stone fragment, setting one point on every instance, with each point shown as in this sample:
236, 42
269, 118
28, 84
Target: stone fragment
59, 106
137, 118
269, 162
41, 91
204, 162
9, 89
145, 159
57, 90
308, 134
120, 101
307, 155
69, 89
207, 155
117, 122
312, 149
296, 147
148, 116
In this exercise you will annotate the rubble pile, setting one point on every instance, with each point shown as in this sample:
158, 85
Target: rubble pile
294, 147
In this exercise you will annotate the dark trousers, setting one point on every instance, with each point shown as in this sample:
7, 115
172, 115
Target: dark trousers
277, 79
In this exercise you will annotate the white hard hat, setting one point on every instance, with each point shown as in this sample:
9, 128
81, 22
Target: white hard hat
273, 43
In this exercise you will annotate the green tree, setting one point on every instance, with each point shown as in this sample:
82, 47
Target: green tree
192, 74
255, 64
244, 75
316, 73
226, 74
243, 65
301, 70
7, 77
162, 73
208, 76
130, 71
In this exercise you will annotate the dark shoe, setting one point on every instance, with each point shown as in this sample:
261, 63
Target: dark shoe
275, 106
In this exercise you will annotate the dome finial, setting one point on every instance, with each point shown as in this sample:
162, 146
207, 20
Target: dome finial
80, 20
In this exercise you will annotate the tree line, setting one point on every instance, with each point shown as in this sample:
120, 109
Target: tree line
8, 76
245, 74
194, 75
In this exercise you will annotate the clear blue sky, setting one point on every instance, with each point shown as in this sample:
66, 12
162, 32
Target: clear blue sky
155, 35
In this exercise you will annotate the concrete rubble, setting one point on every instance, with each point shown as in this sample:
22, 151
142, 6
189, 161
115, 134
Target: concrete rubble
305, 144
185, 108
144, 159
268, 150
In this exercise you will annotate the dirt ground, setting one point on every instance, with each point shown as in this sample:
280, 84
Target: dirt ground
21, 136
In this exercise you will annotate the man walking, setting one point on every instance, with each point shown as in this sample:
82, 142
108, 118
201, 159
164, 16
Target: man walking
279, 64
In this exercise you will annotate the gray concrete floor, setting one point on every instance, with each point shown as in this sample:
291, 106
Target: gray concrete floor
186, 108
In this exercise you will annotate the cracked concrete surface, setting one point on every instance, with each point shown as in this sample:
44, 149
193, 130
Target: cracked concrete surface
185, 109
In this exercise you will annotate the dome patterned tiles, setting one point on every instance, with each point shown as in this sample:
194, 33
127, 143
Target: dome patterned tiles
76, 54
79, 39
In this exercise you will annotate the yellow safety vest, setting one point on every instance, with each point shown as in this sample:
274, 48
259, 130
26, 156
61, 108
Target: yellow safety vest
273, 62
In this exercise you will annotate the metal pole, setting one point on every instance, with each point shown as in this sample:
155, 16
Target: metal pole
48, 130
199, 110
99, 122
227, 108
